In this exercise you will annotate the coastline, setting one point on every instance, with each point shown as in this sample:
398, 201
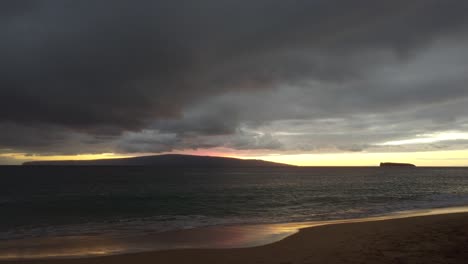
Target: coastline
418, 235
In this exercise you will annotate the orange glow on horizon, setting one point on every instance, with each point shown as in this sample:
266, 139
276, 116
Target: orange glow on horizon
430, 158
26, 157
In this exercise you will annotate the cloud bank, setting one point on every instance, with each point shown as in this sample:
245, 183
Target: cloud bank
156, 76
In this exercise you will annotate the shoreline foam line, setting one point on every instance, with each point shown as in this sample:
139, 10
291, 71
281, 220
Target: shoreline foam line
214, 237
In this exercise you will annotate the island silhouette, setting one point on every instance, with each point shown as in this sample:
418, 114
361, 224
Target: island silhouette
395, 164
167, 160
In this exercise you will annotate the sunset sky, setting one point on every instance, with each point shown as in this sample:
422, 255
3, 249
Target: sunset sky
316, 82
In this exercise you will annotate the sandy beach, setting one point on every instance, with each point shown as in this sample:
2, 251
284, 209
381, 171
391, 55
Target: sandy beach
420, 239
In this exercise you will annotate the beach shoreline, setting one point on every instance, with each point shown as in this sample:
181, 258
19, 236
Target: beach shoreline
435, 234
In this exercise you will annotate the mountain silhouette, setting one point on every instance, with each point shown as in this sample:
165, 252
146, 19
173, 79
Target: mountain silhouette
168, 160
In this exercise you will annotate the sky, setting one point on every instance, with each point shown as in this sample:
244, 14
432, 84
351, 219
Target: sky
316, 82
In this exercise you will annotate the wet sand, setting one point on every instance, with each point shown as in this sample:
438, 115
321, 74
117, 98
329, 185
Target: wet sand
421, 239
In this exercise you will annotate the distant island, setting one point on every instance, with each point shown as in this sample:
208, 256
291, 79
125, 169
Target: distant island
168, 160
393, 164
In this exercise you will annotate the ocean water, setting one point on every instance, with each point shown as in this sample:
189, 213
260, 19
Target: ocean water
43, 202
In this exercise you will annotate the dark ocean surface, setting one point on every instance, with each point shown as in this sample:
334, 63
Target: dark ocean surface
66, 201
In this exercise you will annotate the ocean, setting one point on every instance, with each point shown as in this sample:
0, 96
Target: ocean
49, 202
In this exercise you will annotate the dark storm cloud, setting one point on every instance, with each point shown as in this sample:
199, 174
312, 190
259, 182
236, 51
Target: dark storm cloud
77, 74
50, 139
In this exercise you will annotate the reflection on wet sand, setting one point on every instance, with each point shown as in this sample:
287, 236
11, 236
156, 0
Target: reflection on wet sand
209, 237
